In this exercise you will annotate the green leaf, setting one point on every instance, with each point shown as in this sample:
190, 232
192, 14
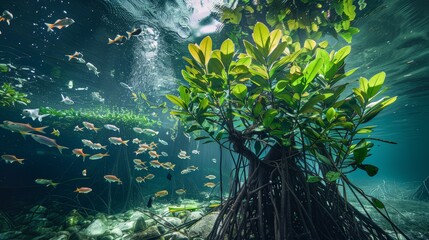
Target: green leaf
323, 44
260, 37
215, 66
371, 170
227, 52
342, 54
253, 52
349, 9
330, 114
196, 53
276, 53
364, 131
269, 116
377, 203
313, 179
176, 100
239, 91
275, 37
312, 70
323, 159
206, 49
332, 176
184, 94
201, 138
204, 104
375, 84
310, 44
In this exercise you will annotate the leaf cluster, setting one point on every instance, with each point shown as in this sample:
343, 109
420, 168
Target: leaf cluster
9, 96
281, 93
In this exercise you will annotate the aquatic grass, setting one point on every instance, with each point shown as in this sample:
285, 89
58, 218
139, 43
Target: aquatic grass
9, 96
102, 115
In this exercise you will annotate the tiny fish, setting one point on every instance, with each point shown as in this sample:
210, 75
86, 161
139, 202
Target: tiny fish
149, 132
150, 176
91, 67
33, 114
83, 190
46, 182
134, 32
168, 165
79, 152
111, 127
214, 160
180, 191
138, 161
161, 193
98, 146
84, 172
210, 177
155, 164
140, 167
195, 151
56, 132
164, 154
185, 171
118, 141
67, 100
136, 141
99, 156
112, 178
90, 126
60, 23
81, 89
48, 142
75, 55
118, 40
162, 141
124, 85
81, 60
78, 129
6, 16
210, 185
87, 143
139, 179
12, 158
154, 154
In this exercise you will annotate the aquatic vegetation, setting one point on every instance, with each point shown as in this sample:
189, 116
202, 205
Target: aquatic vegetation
300, 20
298, 131
119, 116
9, 96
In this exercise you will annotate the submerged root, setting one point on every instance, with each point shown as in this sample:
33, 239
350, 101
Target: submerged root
276, 202
422, 193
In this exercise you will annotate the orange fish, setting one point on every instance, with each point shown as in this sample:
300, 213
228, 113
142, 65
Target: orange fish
119, 39
210, 185
112, 178
48, 142
75, 55
138, 161
12, 158
83, 190
7, 16
90, 126
153, 154
22, 128
161, 193
60, 23
79, 152
155, 164
118, 141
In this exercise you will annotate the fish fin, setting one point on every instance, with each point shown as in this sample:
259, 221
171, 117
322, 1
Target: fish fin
70, 57
40, 118
96, 129
125, 142
40, 129
50, 26
60, 148
59, 26
24, 134
110, 41
20, 160
54, 184
8, 22
129, 34
2, 19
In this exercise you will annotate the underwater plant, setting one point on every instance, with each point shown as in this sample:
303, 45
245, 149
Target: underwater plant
297, 131
300, 19
67, 118
9, 96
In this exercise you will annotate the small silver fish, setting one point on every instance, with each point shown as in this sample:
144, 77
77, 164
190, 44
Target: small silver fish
33, 114
195, 151
162, 141
67, 100
214, 160
164, 154
91, 67
111, 127
124, 85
